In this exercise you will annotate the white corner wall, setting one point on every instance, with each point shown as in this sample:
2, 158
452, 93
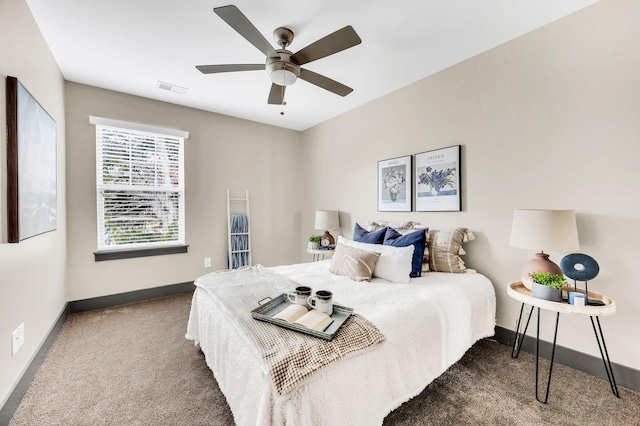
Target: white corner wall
32, 272
549, 120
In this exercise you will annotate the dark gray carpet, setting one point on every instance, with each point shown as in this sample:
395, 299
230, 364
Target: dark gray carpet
130, 365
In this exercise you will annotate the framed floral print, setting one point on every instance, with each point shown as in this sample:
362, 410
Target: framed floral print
438, 180
394, 184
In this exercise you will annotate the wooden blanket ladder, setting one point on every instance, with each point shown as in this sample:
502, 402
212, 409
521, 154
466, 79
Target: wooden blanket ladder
239, 235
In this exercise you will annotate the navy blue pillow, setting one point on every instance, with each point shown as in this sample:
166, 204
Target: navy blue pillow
416, 238
361, 235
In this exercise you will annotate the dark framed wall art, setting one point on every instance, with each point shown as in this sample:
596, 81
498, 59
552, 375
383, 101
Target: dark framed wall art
394, 184
31, 165
438, 180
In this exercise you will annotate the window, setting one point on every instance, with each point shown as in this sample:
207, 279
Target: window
140, 186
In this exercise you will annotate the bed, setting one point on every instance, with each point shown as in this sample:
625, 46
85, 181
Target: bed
429, 323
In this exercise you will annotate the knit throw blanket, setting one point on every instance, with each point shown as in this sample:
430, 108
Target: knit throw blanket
290, 359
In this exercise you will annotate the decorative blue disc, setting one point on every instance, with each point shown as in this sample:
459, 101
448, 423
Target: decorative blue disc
579, 267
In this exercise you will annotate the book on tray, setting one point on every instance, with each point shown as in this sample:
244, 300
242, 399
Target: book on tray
300, 315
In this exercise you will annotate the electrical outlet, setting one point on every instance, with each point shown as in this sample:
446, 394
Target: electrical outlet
17, 338
207, 262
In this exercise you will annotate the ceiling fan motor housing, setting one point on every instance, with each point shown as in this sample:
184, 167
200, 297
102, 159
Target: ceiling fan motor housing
282, 71
283, 36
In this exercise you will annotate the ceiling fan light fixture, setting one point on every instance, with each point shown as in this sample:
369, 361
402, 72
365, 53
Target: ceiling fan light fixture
281, 70
283, 77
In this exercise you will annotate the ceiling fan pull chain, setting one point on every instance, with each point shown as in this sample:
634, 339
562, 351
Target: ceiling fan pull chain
283, 102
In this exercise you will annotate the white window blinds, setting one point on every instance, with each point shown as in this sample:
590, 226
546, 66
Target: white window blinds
140, 188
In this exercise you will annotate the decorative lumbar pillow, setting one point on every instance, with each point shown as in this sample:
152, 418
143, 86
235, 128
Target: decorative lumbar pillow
353, 263
394, 263
445, 249
361, 235
404, 228
401, 227
416, 239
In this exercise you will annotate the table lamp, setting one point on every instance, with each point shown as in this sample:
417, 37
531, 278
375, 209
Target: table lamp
327, 219
551, 230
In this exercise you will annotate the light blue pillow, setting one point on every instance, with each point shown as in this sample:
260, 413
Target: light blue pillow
361, 235
417, 239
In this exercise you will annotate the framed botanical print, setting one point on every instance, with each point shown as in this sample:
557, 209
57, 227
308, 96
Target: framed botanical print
437, 175
394, 184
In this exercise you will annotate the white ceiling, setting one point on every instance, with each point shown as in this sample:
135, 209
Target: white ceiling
128, 45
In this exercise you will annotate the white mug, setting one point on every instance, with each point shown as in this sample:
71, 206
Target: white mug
300, 295
322, 301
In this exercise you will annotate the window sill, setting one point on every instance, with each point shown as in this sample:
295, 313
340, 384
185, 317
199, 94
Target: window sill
131, 253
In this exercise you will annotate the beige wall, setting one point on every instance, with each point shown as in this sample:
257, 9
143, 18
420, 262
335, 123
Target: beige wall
32, 272
221, 153
549, 120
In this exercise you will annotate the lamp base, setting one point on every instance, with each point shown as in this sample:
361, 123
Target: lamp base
327, 239
539, 263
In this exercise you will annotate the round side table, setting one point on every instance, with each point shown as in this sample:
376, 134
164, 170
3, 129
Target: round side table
598, 305
320, 254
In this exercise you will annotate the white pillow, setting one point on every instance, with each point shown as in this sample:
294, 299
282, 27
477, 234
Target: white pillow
394, 263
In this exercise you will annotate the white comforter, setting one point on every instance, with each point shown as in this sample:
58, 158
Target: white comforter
429, 324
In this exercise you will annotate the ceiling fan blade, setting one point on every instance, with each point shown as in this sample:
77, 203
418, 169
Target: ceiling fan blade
328, 45
276, 95
325, 82
211, 69
236, 20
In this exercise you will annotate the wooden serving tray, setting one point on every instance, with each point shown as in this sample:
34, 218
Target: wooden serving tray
266, 311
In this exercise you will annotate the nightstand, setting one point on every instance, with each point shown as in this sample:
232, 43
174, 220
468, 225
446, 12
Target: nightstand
519, 292
320, 254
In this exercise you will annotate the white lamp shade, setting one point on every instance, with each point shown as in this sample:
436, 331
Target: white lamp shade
327, 219
544, 230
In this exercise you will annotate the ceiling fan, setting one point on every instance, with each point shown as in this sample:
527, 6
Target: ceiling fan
283, 66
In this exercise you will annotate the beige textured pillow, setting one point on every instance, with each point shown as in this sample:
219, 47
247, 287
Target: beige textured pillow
353, 263
445, 248
404, 228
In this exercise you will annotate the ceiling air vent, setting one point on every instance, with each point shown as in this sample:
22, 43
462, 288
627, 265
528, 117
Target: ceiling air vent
172, 87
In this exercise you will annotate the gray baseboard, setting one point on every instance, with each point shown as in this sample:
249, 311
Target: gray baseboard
625, 376
130, 297
13, 401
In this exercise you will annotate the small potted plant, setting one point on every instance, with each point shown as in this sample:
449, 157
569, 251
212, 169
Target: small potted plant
314, 242
547, 285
